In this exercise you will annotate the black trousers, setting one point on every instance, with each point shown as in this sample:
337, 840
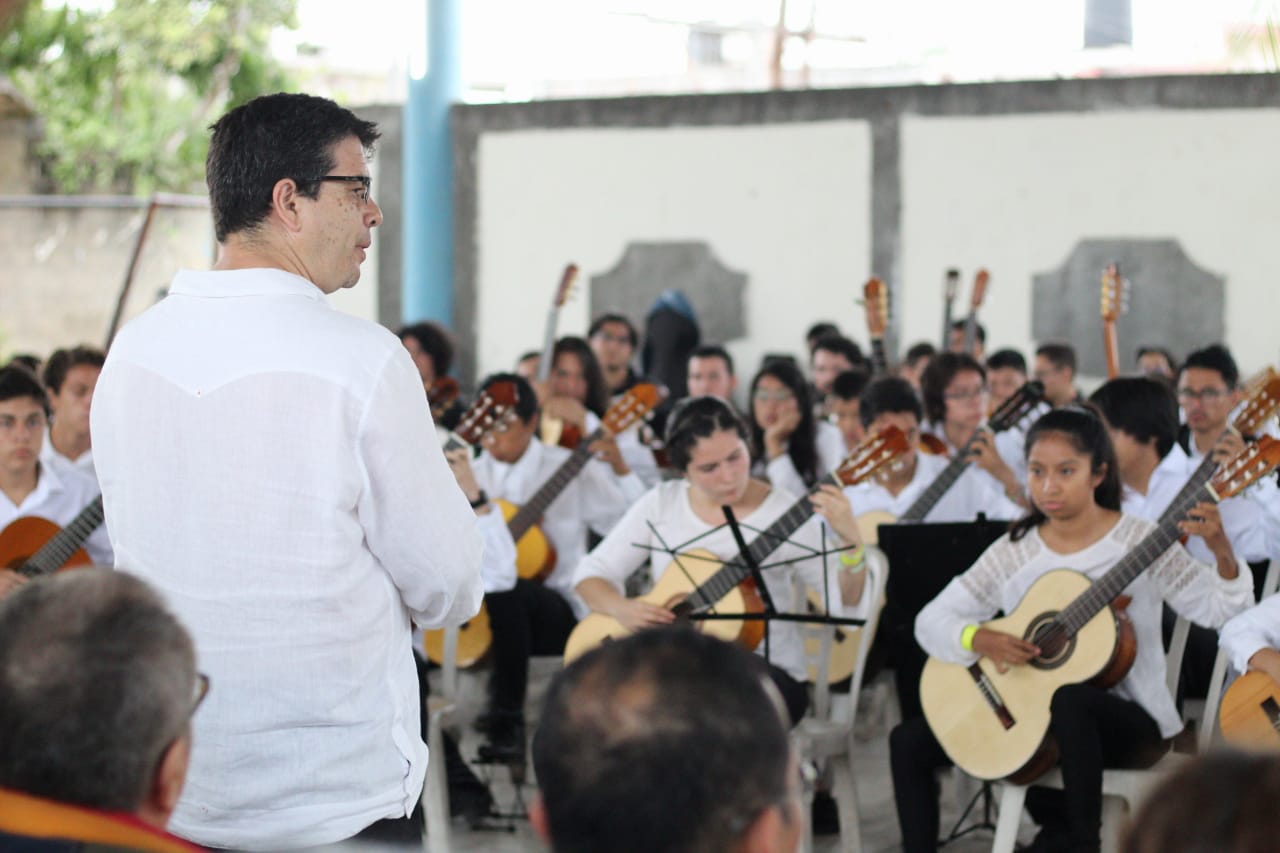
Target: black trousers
1094, 730
527, 620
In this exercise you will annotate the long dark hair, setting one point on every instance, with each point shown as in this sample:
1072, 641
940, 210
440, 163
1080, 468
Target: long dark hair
1083, 427
802, 447
695, 418
597, 389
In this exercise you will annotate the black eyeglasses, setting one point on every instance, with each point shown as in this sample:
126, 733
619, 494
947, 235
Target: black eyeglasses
365, 182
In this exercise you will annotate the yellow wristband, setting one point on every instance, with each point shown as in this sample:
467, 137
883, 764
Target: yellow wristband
853, 560
966, 637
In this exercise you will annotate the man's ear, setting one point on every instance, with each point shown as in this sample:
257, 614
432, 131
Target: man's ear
538, 818
773, 832
285, 203
166, 785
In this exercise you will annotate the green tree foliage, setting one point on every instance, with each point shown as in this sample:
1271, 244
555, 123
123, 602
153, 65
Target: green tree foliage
127, 92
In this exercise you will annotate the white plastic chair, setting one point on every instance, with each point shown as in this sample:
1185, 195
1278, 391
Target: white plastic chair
1120, 788
435, 793
826, 734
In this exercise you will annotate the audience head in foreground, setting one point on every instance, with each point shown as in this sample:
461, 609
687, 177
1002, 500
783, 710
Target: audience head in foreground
668, 741
97, 689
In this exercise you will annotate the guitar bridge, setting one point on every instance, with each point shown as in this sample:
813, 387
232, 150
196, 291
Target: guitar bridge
992, 696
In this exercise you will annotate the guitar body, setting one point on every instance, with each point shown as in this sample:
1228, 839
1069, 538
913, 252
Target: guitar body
25, 536
1250, 713
535, 555
869, 525
844, 646
968, 723
474, 640
673, 586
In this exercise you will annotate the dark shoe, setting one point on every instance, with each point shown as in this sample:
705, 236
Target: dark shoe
468, 796
824, 816
506, 742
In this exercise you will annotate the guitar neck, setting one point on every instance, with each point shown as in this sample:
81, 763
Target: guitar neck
946, 478
879, 359
536, 507
970, 331
734, 572
1112, 345
947, 320
548, 344
55, 553
1076, 614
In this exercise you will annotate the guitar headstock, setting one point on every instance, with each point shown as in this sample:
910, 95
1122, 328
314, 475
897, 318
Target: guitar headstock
1258, 380
980, 282
872, 453
634, 405
567, 280
1018, 406
1115, 293
491, 407
1246, 468
951, 284
1263, 402
875, 300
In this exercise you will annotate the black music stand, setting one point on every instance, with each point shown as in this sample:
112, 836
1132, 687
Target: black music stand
923, 559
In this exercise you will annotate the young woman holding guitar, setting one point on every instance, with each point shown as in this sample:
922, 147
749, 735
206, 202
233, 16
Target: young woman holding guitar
1075, 522
708, 444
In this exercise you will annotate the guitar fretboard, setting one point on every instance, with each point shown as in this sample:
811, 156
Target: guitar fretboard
879, 359
946, 478
55, 553
536, 507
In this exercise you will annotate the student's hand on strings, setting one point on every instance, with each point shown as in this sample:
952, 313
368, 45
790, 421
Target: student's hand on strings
832, 503
637, 615
1205, 520
1228, 446
566, 409
606, 450
9, 581
1266, 661
459, 460
1003, 649
984, 454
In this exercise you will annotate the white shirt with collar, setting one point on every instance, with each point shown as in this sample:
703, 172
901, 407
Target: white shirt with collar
269, 464
59, 496
51, 458
593, 499
973, 492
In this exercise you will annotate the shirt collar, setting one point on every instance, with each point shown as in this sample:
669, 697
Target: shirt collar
263, 281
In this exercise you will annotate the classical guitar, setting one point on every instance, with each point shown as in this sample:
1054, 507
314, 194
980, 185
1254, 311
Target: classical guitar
535, 555
35, 546
1022, 403
994, 725
980, 283
698, 581
492, 407
551, 430
950, 285
1115, 301
875, 301
1250, 712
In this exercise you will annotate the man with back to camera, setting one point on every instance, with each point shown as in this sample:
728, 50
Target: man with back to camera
270, 465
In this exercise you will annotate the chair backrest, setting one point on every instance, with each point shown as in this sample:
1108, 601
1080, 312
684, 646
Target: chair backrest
1173, 657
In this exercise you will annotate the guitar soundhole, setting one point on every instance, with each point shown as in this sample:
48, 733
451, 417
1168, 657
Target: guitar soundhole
1056, 645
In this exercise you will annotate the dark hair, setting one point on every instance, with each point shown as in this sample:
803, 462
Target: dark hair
1223, 800
1059, 355
526, 407
1215, 357
96, 678
819, 331
667, 740
597, 390
17, 380
1160, 351
979, 331
698, 417
265, 141
435, 340
533, 353
850, 384
1142, 407
943, 368
888, 395
27, 360
1004, 359
839, 345
1083, 427
713, 351
920, 350
61, 362
604, 319
802, 447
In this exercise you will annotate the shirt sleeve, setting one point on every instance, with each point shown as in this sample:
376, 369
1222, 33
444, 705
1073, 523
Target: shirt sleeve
1197, 591
970, 599
1250, 632
498, 566
416, 520
782, 474
624, 548
606, 496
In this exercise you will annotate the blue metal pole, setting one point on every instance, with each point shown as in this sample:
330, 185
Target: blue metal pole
427, 270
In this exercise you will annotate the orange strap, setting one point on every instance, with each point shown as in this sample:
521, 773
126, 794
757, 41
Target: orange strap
21, 814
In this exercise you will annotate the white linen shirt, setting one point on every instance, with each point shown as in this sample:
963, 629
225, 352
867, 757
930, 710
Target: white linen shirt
51, 458
973, 492
270, 465
59, 496
1250, 632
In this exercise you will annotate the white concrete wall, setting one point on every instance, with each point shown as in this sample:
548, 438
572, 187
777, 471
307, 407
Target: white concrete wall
787, 204
1015, 194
